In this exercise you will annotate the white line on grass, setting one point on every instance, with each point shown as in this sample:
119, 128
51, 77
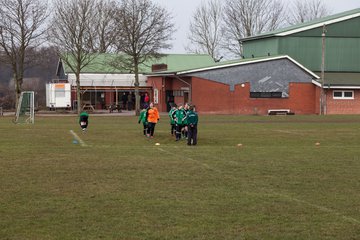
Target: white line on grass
303, 202
193, 160
82, 143
321, 208
291, 132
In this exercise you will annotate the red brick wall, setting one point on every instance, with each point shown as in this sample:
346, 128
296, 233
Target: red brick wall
317, 100
158, 83
213, 97
342, 106
163, 84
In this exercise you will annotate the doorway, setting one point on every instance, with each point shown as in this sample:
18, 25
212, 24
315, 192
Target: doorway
186, 97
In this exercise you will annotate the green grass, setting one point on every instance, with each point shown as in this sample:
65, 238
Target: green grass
278, 185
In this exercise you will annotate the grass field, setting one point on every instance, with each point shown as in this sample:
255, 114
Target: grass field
120, 185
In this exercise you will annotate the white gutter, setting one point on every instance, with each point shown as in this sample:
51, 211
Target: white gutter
343, 87
334, 87
318, 25
230, 65
303, 67
316, 83
163, 75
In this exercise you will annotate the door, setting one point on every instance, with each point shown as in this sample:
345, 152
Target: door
186, 97
169, 99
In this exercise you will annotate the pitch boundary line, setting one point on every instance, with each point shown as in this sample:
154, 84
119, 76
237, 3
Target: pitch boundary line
285, 196
193, 160
82, 143
321, 208
304, 202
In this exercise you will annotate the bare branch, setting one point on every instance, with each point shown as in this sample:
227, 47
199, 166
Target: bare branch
306, 10
205, 33
245, 18
21, 28
104, 26
74, 34
144, 29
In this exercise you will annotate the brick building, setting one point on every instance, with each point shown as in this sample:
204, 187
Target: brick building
252, 86
103, 85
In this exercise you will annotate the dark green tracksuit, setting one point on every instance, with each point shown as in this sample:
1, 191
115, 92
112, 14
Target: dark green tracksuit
179, 116
192, 121
172, 121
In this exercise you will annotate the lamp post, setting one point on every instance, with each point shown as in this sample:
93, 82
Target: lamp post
322, 93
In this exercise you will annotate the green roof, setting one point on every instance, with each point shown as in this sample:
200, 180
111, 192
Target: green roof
308, 25
230, 63
208, 65
101, 64
341, 79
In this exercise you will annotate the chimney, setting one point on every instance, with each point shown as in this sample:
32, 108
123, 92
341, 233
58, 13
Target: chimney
159, 67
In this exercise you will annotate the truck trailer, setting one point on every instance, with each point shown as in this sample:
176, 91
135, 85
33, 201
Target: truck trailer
58, 96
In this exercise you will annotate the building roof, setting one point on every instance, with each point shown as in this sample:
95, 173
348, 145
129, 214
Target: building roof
102, 63
308, 25
341, 80
232, 63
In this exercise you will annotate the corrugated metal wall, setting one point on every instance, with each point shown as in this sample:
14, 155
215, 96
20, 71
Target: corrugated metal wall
342, 47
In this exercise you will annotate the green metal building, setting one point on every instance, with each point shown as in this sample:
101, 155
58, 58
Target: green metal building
303, 42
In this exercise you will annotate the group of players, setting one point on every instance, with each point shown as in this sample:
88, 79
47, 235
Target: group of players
183, 121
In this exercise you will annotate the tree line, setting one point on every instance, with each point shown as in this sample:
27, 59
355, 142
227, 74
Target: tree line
134, 30
217, 26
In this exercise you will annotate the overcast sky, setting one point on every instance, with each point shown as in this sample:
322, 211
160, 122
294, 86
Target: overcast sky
182, 10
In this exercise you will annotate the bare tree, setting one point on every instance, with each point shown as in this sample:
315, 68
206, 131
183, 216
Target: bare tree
21, 30
245, 18
74, 34
144, 28
306, 10
7, 96
105, 19
205, 32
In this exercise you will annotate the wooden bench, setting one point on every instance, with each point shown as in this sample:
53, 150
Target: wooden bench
87, 106
280, 112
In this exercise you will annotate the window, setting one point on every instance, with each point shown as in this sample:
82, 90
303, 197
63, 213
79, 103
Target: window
265, 94
338, 94
60, 93
178, 93
59, 90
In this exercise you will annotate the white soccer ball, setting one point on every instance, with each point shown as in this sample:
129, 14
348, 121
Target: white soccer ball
157, 144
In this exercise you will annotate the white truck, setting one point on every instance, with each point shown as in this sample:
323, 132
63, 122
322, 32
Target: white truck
58, 95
